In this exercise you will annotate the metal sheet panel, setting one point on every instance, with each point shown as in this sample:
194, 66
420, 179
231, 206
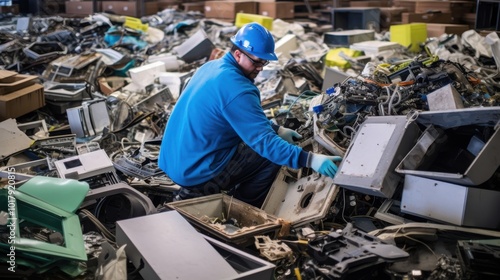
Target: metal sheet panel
451, 203
367, 150
376, 149
248, 266
483, 116
174, 250
434, 200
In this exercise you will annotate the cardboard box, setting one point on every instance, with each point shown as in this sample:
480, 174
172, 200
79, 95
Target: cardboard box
150, 8
168, 4
438, 29
108, 85
16, 82
454, 7
21, 102
470, 19
82, 7
377, 3
6, 74
130, 8
424, 6
120, 7
281, 10
194, 7
229, 9
408, 5
427, 17
391, 15
13, 9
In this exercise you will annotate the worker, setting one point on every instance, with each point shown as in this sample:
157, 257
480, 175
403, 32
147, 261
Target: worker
218, 137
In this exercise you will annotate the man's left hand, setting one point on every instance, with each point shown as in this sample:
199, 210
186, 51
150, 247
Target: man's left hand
289, 134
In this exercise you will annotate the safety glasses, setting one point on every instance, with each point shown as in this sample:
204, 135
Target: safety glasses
257, 64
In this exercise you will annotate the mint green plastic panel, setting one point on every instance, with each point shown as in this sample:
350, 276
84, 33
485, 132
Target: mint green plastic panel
66, 194
30, 210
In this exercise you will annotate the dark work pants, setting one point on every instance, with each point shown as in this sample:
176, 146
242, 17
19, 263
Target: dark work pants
248, 177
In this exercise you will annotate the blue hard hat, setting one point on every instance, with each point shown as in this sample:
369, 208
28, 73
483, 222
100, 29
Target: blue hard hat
256, 40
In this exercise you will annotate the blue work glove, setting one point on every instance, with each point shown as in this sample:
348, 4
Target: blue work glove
288, 134
324, 164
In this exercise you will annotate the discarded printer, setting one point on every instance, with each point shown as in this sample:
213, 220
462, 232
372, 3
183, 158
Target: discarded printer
90, 119
88, 166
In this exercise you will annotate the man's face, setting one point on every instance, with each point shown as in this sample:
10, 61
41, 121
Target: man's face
250, 65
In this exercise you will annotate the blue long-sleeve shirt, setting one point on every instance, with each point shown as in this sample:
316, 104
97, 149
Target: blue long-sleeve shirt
219, 108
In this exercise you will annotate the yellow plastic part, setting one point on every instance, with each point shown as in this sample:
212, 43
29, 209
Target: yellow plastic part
334, 57
297, 273
409, 35
135, 23
243, 18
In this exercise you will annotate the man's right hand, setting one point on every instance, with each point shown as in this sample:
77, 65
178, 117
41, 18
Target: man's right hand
324, 164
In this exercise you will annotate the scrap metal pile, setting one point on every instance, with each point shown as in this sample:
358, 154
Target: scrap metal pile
110, 83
